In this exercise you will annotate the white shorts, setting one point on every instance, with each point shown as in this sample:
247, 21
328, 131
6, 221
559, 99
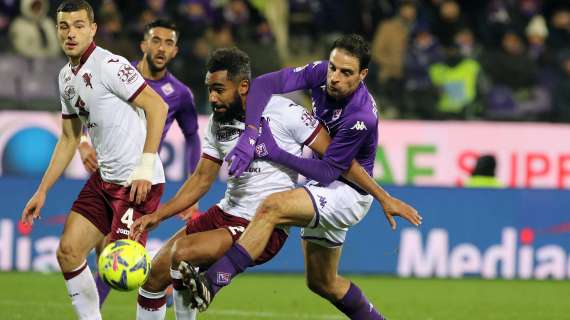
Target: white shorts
337, 208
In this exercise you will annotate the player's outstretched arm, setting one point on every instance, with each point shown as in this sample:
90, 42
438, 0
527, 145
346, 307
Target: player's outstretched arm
191, 191
62, 155
260, 91
156, 110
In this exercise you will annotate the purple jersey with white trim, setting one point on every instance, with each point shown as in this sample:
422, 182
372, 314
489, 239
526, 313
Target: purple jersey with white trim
352, 122
181, 108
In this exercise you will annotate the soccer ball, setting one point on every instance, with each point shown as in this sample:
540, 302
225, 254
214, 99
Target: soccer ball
124, 265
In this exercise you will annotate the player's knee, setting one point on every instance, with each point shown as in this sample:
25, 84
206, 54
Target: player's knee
66, 255
271, 209
183, 251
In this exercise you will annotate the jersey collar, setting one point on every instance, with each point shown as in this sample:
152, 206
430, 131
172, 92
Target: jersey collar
83, 58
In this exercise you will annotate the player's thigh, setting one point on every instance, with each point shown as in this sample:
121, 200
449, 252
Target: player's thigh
79, 236
203, 248
321, 263
293, 207
159, 277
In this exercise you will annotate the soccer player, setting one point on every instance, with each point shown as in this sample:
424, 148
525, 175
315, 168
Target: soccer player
207, 238
159, 47
326, 206
125, 119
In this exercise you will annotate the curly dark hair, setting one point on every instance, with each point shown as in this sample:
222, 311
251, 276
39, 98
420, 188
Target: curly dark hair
235, 61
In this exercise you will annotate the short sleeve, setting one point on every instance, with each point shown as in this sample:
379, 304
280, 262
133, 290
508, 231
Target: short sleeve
66, 94
209, 148
121, 78
302, 126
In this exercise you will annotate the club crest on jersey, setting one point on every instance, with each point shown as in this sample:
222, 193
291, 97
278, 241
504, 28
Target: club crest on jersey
167, 89
336, 114
223, 278
87, 80
261, 150
127, 74
68, 93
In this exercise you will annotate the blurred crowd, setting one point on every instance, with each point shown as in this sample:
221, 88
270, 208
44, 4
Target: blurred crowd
432, 59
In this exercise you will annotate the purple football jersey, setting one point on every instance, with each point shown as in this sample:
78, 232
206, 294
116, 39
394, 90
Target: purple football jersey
181, 108
352, 122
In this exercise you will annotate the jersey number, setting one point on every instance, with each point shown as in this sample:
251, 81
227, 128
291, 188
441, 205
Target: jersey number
236, 230
127, 217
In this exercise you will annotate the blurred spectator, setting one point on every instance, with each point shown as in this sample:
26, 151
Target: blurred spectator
536, 35
457, 80
559, 37
468, 45
483, 176
7, 12
33, 33
561, 93
389, 49
421, 97
449, 22
195, 17
110, 32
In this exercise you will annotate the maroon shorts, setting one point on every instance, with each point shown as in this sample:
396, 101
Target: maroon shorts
107, 206
215, 218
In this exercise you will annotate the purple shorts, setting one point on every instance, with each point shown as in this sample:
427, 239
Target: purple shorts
215, 218
108, 208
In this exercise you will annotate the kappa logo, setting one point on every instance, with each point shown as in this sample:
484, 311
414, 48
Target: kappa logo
359, 125
322, 201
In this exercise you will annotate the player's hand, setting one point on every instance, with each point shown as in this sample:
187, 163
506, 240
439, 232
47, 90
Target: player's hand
88, 157
143, 224
32, 210
266, 147
242, 154
141, 177
396, 207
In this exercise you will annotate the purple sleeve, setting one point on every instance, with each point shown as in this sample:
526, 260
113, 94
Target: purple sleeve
348, 140
282, 81
188, 123
192, 153
316, 169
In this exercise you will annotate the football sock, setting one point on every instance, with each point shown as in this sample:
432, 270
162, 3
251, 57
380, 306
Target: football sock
355, 305
83, 293
180, 293
234, 262
151, 305
102, 288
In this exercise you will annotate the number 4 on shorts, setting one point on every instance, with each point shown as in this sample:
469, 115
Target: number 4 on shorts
127, 218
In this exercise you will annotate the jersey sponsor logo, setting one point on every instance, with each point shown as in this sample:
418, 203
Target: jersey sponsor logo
359, 125
68, 93
112, 60
167, 89
253, 170
123, 231
127, 74
336, 114
87, 80
228, 134
309, 120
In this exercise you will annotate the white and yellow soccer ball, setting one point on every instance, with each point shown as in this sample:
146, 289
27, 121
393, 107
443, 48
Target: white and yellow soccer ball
124, 265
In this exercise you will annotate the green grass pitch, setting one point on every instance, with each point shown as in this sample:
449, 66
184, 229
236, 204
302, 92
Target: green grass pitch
284, 296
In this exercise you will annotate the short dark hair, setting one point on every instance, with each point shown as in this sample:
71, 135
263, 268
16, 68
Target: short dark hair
76, 5
161, 23
356, 46
235, 61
